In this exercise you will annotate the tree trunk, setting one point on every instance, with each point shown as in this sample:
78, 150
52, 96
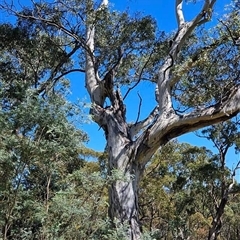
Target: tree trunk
123, 193
214, 231
124, 173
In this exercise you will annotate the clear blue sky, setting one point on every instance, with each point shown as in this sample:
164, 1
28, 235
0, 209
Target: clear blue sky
163, 12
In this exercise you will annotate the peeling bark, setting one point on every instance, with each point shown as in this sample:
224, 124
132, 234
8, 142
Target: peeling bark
123, 192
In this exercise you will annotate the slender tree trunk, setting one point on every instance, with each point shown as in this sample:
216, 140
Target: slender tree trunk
6, 229
217, 221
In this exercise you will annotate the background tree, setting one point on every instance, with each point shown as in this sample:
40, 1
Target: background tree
39, 139
181, 172
198, 71
223, 136
181, 194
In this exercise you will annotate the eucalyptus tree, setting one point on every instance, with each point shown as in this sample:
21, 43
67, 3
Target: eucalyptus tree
195, 74
39, 141
224, 136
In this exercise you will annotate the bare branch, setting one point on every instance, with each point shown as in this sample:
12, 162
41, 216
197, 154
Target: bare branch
179, 13
137, 127
139, 107
139, 77
163, 88
235, 40
52, 77
79, 39
94, 87
186, 28
47, 85
205, 14
167, 127
235, 169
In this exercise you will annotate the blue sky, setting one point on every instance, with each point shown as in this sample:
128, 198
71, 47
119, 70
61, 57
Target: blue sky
163, 12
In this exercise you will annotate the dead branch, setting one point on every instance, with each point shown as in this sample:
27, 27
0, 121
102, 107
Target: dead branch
139, 107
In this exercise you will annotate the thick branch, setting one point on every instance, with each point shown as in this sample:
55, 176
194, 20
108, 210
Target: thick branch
186, 28
179, 12
163, 88
94, 86
95, 89
168, 127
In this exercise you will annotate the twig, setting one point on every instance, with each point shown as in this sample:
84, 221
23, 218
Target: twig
140, 76
139, 107
236, 41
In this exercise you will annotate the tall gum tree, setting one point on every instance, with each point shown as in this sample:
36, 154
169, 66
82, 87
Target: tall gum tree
111, 46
